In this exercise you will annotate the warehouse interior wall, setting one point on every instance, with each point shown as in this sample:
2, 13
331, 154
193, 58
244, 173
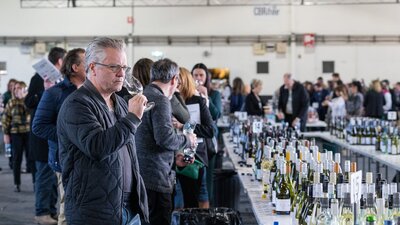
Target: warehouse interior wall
353, 60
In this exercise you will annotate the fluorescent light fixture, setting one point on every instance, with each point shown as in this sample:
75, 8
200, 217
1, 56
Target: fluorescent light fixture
157, 54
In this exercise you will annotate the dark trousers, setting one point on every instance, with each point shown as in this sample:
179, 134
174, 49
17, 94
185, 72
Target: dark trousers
45, 190
160, 207
191, 189
20, 142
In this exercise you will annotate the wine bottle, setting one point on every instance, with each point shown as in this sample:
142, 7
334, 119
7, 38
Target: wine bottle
346, 211
325, 217
282, 205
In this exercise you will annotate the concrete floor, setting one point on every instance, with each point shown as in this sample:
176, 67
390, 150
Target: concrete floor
15, 208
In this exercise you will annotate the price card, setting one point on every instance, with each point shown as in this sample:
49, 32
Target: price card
257, 127
355, 186
242, 116
392, 115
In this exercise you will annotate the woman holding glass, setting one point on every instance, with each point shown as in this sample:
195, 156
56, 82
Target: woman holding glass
192, 188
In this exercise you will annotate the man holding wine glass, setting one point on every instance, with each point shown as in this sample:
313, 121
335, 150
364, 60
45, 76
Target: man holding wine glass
96, 130
157, 143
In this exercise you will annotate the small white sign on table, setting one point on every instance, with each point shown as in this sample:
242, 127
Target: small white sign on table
257, 127
392, 115
242, 116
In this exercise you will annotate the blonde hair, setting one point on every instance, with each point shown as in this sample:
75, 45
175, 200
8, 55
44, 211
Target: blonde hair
187, 88
376, 85
255, 83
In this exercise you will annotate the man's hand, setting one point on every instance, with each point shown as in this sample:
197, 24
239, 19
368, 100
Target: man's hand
180, 162
193, 140
295, 121
137, 104
48, 84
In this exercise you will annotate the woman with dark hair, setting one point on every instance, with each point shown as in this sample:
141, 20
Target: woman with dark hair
338, 104
354, 104
203, 82
141, 71
238, 95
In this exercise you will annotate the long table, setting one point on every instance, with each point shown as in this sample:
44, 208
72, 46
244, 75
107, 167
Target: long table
262, 208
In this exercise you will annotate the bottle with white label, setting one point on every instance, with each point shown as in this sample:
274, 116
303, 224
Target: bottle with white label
325, 217
282, 205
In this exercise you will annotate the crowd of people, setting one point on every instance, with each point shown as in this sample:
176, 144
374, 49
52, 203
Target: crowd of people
293, 100
94, 146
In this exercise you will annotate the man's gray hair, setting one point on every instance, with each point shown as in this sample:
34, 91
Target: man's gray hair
95, 49
164, 70
288, 75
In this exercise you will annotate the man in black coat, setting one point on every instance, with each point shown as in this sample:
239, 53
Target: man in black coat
96, 138
45, 180
293, 102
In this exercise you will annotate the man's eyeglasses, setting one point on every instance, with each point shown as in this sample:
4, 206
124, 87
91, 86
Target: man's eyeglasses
115, 68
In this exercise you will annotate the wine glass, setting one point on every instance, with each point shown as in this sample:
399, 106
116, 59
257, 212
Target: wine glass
134, 87
189, 152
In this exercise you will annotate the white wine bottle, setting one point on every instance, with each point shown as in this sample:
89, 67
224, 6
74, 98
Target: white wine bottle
282, 205
346, 215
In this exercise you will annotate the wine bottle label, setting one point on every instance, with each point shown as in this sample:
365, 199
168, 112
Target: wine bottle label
271, 178
394, 149
339, 190
294, 220
259, 174
273, 196
282, 205
363, 140
266, 176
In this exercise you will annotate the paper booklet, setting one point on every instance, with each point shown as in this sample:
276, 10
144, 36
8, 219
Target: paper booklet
47, 70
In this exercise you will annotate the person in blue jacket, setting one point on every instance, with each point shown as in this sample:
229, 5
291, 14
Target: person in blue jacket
45, 122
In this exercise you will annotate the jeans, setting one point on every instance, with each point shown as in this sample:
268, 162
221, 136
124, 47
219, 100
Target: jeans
45, 190
203, 194
128, 218
178, 198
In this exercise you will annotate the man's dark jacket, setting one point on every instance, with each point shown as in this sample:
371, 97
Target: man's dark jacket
44, 124
157, 143
300, 101
89, 147
38, 147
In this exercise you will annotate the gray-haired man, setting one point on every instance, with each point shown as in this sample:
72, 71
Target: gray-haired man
157, 143
96, 131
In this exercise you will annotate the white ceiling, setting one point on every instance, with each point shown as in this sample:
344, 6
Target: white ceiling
162, 3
